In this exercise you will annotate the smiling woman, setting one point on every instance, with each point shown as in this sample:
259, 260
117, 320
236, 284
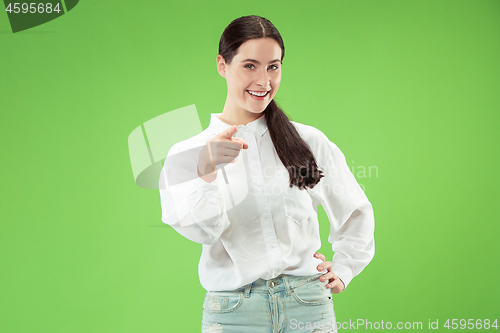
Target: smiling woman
254, 74
259, 263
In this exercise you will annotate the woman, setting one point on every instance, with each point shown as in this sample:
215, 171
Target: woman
252, 203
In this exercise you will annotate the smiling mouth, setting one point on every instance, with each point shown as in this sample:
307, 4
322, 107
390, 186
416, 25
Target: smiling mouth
260, 94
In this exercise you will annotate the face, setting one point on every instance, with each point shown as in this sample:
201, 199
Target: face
254, 70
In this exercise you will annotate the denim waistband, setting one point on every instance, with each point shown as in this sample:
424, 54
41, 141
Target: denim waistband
280, 283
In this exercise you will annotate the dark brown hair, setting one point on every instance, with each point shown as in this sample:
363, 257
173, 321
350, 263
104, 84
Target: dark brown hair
293, 152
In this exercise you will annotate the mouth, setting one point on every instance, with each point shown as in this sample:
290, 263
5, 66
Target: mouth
258, 95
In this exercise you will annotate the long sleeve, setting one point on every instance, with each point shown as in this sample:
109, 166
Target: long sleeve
349, 212
193, 207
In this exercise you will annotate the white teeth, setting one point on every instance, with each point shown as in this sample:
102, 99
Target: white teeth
260, 94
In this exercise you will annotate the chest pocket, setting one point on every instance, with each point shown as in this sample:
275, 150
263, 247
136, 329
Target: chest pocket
298, 203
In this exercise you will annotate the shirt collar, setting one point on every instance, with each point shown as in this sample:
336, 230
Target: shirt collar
258, 126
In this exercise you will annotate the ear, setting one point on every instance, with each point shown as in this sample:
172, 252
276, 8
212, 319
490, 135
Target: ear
221, 66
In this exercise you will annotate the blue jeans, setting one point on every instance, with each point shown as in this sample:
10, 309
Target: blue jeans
284, 304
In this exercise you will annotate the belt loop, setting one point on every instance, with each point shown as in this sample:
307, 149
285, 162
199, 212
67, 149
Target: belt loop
247, 290
287, 286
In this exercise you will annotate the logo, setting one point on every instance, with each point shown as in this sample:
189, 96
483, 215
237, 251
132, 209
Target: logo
26, 15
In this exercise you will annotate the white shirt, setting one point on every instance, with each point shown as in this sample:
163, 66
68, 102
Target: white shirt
254, 225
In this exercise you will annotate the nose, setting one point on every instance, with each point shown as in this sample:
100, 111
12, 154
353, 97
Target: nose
263, 79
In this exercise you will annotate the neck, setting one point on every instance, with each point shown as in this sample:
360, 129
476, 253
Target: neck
235, 116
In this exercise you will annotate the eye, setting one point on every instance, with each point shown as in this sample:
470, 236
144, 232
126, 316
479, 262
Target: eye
275, 67
246, 66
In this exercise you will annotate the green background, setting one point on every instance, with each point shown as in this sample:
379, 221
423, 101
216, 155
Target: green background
409, 87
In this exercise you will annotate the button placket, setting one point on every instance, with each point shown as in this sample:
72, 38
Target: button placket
264, 203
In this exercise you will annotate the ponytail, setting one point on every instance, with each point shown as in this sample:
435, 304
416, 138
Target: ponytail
293, 152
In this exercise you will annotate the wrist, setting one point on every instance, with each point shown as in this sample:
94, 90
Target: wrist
204, 170
208, 177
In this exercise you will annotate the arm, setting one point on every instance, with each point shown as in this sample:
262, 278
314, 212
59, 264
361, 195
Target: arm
194, 207
350, 215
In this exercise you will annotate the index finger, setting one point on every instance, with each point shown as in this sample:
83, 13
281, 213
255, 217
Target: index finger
226, 144
319, 256
244, 145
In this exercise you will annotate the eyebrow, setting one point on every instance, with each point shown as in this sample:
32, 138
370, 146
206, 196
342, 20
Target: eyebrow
253, 60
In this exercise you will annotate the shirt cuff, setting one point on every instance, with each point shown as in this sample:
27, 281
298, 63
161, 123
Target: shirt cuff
200, 184
343, 272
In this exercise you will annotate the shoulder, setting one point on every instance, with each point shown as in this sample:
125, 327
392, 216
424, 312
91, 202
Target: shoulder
328, 155
319, 143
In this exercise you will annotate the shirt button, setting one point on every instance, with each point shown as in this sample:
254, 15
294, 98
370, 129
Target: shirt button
258, 183
264, 215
